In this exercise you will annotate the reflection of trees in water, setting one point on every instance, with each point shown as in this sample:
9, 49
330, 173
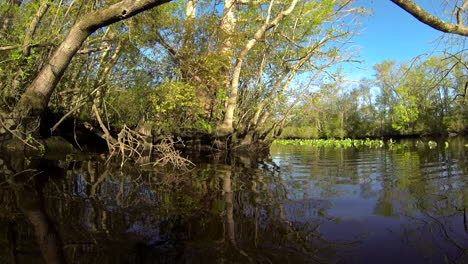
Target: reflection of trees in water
22, 191
441, 224
438, 238
94, 212
267, 227
431, 193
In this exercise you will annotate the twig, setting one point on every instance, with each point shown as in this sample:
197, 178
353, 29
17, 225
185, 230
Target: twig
74, 135
66, 115
110, 140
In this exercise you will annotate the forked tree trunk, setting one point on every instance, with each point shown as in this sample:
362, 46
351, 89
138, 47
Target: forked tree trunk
227, 125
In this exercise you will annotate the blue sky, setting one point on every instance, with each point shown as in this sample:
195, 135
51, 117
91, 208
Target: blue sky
392, 34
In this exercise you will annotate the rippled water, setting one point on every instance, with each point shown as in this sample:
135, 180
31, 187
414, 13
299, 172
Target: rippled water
406, 206
300, 205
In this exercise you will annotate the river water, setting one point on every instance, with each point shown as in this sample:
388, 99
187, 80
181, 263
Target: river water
302, 204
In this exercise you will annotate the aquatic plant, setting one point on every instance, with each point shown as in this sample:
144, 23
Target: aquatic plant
334, 143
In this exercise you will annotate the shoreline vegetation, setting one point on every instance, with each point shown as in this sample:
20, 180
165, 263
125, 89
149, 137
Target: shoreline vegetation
389, 143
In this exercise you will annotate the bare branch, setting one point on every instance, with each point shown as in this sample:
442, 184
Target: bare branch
91, 50
12, 47
292, 41
460, 13
5, 48
166, 45
33, 27
252, 2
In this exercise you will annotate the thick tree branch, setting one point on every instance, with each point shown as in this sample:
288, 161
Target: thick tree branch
46, 81
44, 45
425, 17
162, 41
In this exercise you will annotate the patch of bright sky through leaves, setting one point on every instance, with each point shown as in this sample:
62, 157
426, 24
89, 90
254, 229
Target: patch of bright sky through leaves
389, 33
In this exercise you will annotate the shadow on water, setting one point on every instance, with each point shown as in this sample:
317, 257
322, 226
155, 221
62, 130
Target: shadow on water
301, 205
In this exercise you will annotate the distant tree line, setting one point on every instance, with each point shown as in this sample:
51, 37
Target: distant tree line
421, 97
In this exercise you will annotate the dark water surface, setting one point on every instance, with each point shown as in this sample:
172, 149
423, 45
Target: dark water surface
300, 205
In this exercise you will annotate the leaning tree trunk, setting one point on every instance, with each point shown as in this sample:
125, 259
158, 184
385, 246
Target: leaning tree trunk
36, 98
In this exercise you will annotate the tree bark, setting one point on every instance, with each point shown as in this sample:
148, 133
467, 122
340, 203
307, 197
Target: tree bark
227, 27
425, 17
106, 65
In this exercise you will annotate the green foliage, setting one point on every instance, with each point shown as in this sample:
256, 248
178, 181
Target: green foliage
202, 125
404, 116
177, 108
173, 98
303, 132
128, 106
432, 144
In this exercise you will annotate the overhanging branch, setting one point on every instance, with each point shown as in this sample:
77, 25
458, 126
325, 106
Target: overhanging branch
435, 22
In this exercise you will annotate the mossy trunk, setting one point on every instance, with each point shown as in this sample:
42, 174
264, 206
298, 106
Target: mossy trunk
26, 118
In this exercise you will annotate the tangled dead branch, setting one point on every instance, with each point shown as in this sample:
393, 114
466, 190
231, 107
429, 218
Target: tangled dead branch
135, 146
167, 154
132, 145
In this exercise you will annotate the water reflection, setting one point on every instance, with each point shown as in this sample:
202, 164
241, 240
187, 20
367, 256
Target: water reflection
411, 202
305, 205
23, 190
91, 212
